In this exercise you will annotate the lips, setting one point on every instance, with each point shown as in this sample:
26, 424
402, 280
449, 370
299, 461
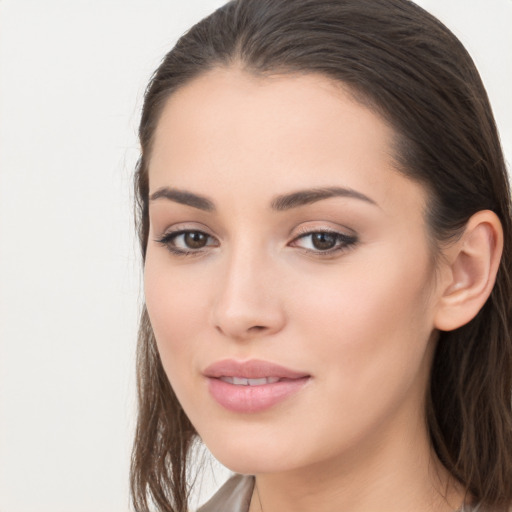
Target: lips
252, 369
252, 386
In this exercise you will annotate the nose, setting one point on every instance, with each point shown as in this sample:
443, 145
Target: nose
248, 303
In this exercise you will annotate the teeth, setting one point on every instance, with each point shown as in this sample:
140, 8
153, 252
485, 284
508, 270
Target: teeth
242, 381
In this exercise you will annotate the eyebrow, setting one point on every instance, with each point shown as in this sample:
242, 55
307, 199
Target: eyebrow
184, 197
304, 197
279, 203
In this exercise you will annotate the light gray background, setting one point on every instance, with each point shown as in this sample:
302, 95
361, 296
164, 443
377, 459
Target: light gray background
72, 76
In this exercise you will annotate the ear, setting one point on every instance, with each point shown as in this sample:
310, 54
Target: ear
471, 267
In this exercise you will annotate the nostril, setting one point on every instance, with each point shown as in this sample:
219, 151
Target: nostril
254, 330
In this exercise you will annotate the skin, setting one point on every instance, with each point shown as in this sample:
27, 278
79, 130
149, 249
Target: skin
359, 321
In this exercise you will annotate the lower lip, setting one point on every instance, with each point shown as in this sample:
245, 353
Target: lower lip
251, 399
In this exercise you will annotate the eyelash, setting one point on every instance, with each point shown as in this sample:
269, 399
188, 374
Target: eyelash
168, 241
343, 242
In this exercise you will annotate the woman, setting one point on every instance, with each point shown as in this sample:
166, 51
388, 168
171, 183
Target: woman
325, 221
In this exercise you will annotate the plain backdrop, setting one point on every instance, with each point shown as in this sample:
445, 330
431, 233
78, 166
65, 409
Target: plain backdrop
72, 76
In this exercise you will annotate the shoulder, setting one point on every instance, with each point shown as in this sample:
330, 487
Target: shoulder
233, 496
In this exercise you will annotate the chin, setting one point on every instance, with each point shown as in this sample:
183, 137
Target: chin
244, 453
254, 452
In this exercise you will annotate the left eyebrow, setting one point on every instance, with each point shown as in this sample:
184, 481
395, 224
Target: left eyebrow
312, 195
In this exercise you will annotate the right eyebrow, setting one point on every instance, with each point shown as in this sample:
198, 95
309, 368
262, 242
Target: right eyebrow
183, 197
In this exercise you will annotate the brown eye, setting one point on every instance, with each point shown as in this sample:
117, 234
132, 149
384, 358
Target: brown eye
323, 241
195, 239
188, 242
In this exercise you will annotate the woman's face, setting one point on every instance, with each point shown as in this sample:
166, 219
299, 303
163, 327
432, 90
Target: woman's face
288, 276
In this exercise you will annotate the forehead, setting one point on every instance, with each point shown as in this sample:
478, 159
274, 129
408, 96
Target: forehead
233, 128
261, 108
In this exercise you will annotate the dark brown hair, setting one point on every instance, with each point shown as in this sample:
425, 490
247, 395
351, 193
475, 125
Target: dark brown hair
407, 66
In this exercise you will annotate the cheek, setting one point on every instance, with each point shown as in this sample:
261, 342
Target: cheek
176, 308
370, 324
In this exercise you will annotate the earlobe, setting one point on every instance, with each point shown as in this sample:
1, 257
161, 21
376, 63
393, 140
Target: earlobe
473, 262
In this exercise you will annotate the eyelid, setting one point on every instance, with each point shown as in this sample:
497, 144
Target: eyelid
311, 227
186, 226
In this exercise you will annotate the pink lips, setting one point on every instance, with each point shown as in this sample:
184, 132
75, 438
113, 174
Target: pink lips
252, 386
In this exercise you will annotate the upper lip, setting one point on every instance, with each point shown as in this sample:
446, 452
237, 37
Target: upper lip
251, 369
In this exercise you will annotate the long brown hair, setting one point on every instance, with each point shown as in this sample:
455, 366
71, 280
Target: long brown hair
407, 66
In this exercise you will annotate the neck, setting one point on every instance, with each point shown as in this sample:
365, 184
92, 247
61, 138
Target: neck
398, 471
